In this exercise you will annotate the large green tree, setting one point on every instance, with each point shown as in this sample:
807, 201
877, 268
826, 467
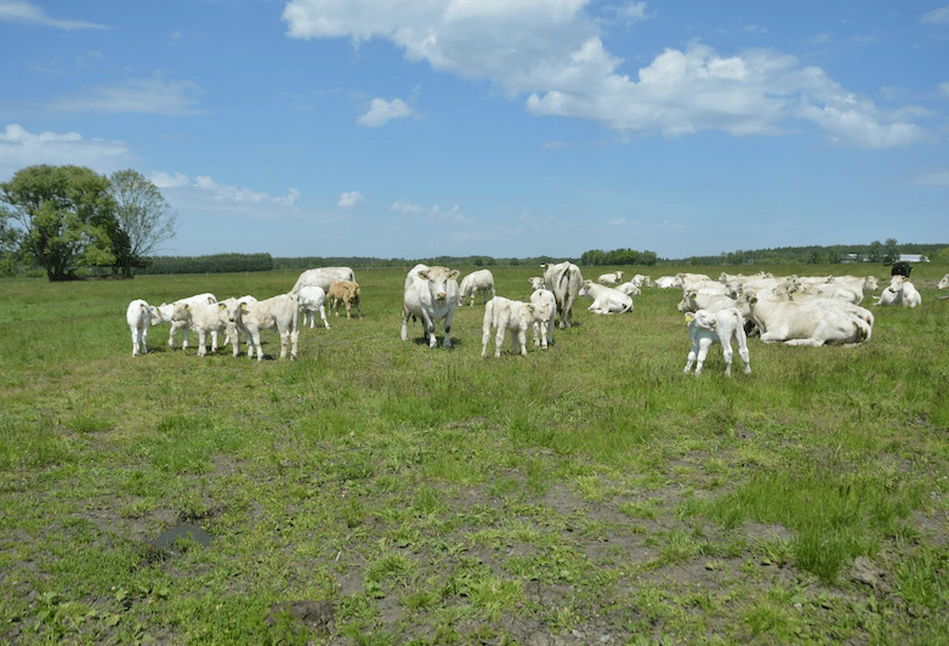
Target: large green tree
145, 219
65, 215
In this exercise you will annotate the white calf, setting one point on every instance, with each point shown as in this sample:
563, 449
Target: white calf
312, 299
722, 327
140, 315
630, 289
944, 283
900, 292
204, 317
544, 298
168, 309
477, 281
280, 312
503, 314
611, 278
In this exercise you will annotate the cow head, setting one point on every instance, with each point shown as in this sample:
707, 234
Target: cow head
439, 279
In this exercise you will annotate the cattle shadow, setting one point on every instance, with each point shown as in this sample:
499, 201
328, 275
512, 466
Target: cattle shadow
455, 343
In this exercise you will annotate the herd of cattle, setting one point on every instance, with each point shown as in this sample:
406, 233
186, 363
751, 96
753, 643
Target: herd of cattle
795, 310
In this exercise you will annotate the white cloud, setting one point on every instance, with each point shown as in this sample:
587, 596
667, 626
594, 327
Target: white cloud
349, 199
404, 207
136, 96
226, 193
164, 180
943, 89
562, 66
382, 111
937, 16
24, 12
19, 148
630, 13
292, 196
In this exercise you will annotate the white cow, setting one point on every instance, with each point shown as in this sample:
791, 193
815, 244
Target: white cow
813, 321
693, 300
849, 288
323, 277
900, 292
564, 280
168, 310
668, 282
281, 313
543, 296
482, 281
642, 280
204, 317
611, 278
140, 315
312, 299
723, 326
629, 288
503, 314
606, 300
944, 283
233, 333
431, 295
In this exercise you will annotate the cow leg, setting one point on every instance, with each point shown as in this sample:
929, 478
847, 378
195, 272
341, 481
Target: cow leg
727, 353
144, 341
202, 342
499, 340
213, 340
326, 323
405, 325
704, 345
522, 339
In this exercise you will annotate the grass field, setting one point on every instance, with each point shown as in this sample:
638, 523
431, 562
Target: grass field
379, 492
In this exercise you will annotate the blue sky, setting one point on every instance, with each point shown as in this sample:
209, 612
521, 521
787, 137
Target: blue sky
413, 128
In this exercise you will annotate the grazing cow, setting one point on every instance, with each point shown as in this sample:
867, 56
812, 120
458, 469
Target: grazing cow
280, 312
204, 317
900, 292
431, 294
543, 337
814, 321
723, 326
564, 280
344, 292
168, 310
323, 277
312, 299
482, 281
140, 315
503, 314
606, 300
944, 283
611, 278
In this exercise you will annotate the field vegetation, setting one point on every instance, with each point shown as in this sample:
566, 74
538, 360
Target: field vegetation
379, 492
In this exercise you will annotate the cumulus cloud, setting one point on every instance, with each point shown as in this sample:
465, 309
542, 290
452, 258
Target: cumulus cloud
938, 16
404, 207
20, 148
27, 13
349, 199
136, 96
563, 67
208, 188
382, 111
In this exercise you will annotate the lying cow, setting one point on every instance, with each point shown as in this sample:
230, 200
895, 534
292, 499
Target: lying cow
944, 283
814, 321
431, 295
611, 278
502, 314
606, 300
900, 292
722, 327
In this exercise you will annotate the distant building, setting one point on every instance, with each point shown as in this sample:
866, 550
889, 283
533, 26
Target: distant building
913, 257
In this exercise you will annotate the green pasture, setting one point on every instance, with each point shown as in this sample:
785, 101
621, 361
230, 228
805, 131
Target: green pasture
380, 492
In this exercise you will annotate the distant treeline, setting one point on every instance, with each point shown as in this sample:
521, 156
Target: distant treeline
237, 262
222, 263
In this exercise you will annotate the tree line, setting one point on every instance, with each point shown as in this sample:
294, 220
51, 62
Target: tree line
63, 218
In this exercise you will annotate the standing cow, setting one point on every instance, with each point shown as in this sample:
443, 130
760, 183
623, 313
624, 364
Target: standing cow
482, 281
323, 277
431, 294
564, 280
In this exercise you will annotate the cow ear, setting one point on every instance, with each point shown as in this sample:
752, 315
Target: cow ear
243, 306
689, 318
221, 306
454, 274
187, 306
423, 275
